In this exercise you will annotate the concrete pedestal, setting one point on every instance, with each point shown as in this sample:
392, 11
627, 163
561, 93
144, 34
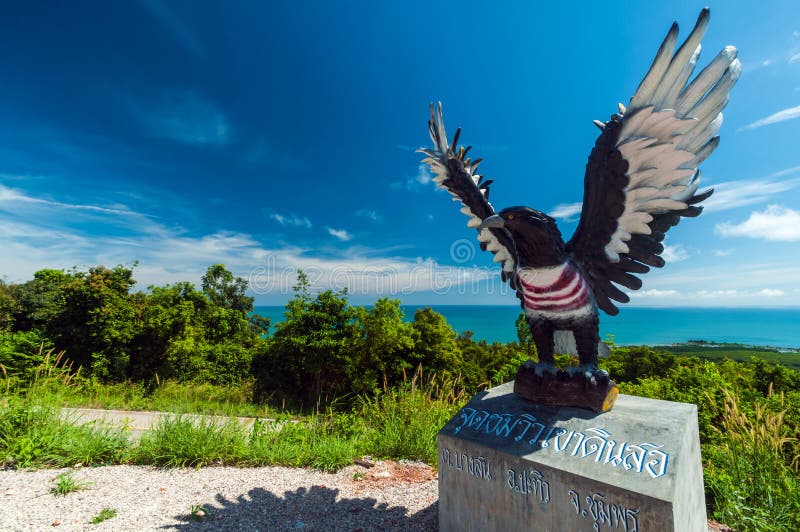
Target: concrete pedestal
508, 464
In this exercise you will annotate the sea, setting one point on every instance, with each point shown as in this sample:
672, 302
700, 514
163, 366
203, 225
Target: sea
633, 326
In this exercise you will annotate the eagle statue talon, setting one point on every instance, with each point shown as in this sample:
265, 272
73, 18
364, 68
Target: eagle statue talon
587, 370
641, 179
545, 369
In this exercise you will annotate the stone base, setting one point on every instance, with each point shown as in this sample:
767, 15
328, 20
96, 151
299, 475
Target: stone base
508, 464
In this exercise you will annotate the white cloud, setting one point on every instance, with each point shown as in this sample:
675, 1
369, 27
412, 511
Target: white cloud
422, 178
739, 193
371, 214
771, 292
722, 252
341, 234
740, 294
185, 117
752, 275
653, 293
776, 223
167, 254
780, 116
795, 58
674, 253
10, 199
424, 175
35, 238
736, 284
567, 211
298, 221
717, 296
716, 293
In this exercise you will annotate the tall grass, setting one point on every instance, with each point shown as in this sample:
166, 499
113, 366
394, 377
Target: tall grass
169, 396
403, 422
55, 383
314, 442
754, 486
32, 432
399, 423
183, 442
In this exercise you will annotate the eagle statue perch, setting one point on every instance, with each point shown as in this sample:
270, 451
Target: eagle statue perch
642, 177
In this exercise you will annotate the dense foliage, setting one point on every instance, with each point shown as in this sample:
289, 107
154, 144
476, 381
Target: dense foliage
114, 334
325, 351
155, 349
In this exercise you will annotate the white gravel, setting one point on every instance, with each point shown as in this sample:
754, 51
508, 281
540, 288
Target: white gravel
387, 497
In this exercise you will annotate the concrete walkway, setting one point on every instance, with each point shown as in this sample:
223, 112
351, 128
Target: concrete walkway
136, 422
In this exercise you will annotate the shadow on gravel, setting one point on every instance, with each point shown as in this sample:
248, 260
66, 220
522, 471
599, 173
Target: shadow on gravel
307, 509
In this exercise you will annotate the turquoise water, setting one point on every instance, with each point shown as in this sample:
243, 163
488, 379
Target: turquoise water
772, 327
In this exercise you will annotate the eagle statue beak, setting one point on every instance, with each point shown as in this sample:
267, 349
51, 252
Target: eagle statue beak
492, 221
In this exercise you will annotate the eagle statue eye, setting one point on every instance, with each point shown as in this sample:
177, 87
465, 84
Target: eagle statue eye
510, 217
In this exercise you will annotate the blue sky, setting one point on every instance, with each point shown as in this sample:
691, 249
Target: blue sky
276, 135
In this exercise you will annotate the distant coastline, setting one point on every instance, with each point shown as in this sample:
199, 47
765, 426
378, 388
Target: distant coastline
729, 345
772, 328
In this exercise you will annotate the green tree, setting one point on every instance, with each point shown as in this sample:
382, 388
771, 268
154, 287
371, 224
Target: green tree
91, 315
486, 364
630, 364
308, 357
184, 335
436, 347
768, 376
8, 306
525, 337
225, 290
169, 324
41, 300
382, 348
112, 318
21, 352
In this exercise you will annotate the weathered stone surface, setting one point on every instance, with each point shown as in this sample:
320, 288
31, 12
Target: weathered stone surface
508, 464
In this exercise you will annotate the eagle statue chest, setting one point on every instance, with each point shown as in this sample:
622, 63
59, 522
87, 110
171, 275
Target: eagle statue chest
558, 293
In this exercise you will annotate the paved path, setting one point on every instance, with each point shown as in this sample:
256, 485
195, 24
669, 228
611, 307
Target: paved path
138, 422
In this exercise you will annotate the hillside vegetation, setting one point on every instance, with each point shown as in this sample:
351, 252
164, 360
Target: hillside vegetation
743, 353
342, 381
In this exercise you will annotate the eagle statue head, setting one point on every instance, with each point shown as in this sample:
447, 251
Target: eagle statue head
537, 240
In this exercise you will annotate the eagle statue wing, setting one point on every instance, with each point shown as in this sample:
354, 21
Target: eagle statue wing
642, 176
457, 174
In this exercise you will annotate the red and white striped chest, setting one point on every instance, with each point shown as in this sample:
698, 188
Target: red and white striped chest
555, 292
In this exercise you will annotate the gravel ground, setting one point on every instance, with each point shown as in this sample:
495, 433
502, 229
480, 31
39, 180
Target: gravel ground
389, 496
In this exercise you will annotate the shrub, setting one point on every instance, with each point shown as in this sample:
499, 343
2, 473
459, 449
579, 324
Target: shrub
22, 352
32, 434
752, 485
403, 422
180, 441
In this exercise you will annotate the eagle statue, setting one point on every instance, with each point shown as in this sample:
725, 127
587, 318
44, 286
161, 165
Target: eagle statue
641, 178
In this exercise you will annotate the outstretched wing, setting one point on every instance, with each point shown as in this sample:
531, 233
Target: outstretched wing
642, 174
457, 174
